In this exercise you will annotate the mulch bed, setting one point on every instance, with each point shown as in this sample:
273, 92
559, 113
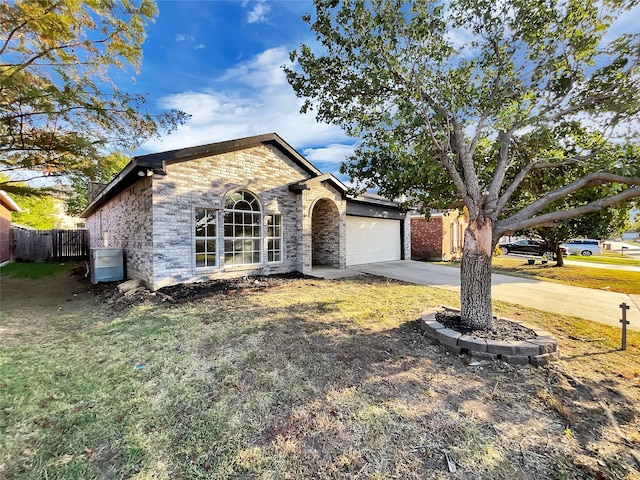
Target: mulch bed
502, 329
186, 291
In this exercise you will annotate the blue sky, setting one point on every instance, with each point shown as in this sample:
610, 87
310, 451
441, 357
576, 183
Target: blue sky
220, 61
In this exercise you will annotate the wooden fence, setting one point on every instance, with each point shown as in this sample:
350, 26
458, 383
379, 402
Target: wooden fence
54, 245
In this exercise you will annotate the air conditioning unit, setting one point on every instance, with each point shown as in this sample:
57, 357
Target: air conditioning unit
106, 265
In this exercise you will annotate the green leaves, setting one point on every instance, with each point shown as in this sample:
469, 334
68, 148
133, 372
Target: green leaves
58, 109
445, 97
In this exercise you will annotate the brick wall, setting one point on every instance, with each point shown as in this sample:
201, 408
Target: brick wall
426, 238
336, 236
324, 229
5, 234
126, 223
440, 238
264, 171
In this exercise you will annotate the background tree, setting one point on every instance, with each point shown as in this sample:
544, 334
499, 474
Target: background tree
104, 169
59, 111
606, 156
423, 84
38, 209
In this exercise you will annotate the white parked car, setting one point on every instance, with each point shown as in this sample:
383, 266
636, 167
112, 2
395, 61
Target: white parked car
582, 246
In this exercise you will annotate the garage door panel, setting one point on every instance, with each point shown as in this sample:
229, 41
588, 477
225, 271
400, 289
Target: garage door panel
372, 240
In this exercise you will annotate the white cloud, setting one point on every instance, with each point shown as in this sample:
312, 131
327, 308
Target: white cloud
259, 13
334, 153
252, 98
184, 37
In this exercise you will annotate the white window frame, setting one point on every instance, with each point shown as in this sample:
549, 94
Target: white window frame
241, 235
276, 235
205, 239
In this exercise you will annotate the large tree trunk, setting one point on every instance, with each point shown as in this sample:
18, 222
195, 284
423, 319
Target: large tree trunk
475, 276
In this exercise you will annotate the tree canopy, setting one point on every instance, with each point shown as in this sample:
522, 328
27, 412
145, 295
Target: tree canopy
60, 111
444, 95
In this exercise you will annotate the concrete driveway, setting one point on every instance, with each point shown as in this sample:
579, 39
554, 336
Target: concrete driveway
597, 305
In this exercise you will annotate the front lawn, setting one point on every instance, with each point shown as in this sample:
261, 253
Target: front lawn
312, 379
600, 278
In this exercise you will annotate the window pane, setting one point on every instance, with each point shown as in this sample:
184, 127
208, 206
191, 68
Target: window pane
238, 231
228, 231
205, 232
256, 257
276, 256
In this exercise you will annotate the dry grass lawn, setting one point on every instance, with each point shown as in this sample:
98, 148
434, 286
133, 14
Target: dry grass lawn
312, 379
598, 278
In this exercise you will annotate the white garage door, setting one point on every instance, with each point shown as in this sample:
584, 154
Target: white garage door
372, 240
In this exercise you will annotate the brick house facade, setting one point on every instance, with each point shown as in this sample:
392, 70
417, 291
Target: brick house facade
243, 207
439, 238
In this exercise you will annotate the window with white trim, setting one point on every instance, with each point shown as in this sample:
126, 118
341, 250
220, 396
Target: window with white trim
273, 237
242, 229
206, 238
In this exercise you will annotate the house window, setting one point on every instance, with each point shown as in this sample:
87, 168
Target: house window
274, 238
242, 229
205, 227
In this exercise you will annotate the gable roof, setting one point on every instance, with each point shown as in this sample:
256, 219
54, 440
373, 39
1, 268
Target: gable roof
155, 163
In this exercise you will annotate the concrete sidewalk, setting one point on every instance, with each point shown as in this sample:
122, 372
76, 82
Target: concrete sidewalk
596, 305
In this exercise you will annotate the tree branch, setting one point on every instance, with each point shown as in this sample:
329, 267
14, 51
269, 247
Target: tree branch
513, 224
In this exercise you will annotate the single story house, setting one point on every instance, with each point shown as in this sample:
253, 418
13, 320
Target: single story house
7, 205
241, 207
441, 237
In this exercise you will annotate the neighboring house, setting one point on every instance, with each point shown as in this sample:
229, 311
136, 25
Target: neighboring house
439, 238
241, 207
7, 205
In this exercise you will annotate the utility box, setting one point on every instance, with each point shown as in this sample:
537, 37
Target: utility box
106, 265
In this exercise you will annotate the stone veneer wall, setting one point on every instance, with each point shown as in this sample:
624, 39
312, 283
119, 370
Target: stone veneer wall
126, 222
205, 183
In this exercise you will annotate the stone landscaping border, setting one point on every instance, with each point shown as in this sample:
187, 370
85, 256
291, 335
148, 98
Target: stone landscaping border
536, 351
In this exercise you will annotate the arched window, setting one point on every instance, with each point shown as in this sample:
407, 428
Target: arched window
242, 229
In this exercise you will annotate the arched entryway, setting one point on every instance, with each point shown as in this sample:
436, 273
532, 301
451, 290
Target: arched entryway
325, 234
